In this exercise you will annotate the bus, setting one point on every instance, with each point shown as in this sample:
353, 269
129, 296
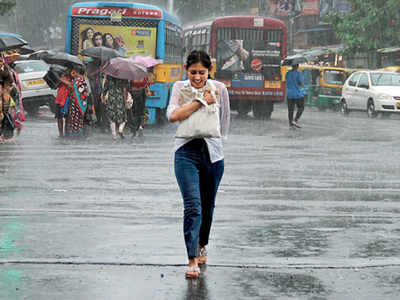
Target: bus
246, 53
133, 29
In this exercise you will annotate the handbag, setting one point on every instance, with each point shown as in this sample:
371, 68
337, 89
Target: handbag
205, 121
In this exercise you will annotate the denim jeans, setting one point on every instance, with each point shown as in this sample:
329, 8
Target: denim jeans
198, 181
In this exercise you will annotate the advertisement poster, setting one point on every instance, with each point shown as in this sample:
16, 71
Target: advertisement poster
129, 41
285, 8
248, 62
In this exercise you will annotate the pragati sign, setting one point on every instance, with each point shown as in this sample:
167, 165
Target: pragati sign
124, 12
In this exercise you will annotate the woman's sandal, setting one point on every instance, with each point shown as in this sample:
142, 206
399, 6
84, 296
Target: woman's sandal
202, 258
192, 272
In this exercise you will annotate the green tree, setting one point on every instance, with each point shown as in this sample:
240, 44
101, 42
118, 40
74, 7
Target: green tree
6, 6
370, 25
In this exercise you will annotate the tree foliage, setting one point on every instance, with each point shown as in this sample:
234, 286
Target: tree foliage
6, 6
370, 25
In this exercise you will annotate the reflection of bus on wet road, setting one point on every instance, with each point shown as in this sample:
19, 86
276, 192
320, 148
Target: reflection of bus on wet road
132, 29
247, 52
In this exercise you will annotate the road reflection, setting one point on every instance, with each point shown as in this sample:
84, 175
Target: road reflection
197, 288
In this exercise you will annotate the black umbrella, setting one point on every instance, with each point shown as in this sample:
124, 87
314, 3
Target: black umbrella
102, 53
295, 60
57, 58
40, 54
25, 50
8, 42
53, 75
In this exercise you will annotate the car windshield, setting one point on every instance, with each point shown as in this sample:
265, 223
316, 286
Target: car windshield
384, 79
31, 66
335, 77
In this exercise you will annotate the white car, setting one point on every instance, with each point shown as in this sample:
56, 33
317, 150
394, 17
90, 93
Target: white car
371, 91
35, 91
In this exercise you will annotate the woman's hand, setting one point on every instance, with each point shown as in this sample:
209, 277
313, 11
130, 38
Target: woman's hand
208, 97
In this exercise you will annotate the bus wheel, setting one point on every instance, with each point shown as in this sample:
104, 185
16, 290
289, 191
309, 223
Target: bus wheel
243, 107
263, 110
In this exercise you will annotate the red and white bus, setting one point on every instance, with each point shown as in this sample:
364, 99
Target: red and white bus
247, 53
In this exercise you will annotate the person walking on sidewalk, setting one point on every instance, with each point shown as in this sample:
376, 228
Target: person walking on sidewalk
199, 161
294, 95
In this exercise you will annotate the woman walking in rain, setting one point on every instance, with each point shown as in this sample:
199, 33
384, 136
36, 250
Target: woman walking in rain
199, 161
114, 97
139, 90
77, 101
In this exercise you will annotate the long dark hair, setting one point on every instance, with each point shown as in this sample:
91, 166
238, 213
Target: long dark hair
84, 33
96, 34
199, 56
114, 45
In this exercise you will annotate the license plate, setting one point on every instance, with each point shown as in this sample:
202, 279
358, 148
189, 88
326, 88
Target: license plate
35, 82
272, 84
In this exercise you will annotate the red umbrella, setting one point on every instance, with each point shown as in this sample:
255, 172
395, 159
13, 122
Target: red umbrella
124, 68
146, 61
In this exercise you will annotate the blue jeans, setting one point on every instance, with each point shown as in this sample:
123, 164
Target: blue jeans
198, 180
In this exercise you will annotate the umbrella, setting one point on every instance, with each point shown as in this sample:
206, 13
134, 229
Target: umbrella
124, 68
146, 61
40, 54
62, 58
53, 75
8, 42
24, 50
56, 58
295, 59
102, 53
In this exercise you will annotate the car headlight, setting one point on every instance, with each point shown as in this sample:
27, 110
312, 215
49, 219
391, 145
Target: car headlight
384, 97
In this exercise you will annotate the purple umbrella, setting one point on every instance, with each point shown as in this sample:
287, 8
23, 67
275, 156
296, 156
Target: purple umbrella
124, 68
146, 61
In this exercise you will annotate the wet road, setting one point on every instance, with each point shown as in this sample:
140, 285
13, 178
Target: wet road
303, 214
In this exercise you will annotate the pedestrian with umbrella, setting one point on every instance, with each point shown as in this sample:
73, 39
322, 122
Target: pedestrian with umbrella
139, 90
77, 100
99, 55
118, 72
18, 113
294, 95
73, 94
